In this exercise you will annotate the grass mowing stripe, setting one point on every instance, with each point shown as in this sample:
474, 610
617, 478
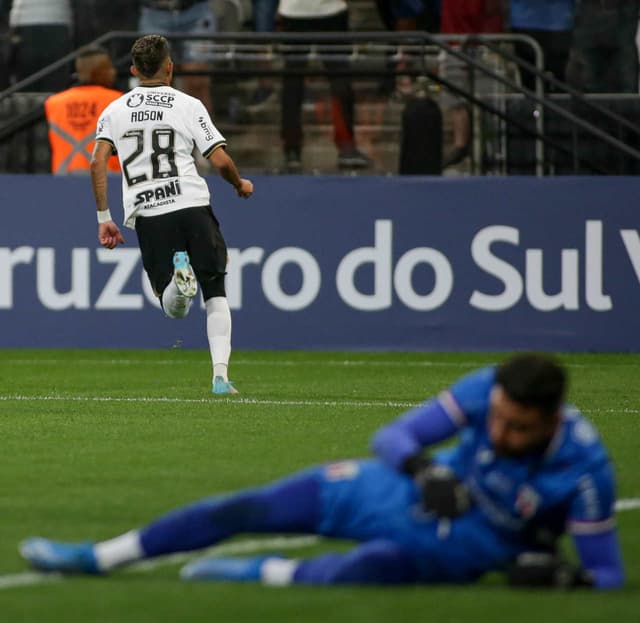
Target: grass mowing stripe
290, 363
247, 362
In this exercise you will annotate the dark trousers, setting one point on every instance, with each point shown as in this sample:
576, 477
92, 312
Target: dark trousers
604, 56
555, 46
342, 103
35, 47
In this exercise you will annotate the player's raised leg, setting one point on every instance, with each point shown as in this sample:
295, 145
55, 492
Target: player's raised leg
177, 297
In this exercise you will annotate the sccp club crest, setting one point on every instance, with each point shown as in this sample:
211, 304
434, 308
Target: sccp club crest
135, 100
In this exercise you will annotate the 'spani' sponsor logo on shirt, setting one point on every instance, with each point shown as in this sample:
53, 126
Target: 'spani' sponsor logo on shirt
161, 195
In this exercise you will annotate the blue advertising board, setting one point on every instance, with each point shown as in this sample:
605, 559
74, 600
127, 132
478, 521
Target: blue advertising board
343, 263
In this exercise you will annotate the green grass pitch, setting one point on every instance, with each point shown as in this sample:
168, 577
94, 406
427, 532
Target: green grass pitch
96, 442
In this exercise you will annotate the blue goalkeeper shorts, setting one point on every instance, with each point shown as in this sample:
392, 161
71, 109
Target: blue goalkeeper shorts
366, 500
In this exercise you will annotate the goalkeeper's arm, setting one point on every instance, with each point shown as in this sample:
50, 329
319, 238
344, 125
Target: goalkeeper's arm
600, 556
406, 436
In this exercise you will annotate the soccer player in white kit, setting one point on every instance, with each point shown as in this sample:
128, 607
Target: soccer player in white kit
153, 129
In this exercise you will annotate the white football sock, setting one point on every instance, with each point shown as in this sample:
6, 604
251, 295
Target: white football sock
174, 304
219, 334
116, 552
278, 571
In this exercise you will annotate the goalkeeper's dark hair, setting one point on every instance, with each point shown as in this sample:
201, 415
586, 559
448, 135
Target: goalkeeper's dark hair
534, 380
148, 53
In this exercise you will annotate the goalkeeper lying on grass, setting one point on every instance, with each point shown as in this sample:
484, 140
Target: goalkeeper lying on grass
526, 468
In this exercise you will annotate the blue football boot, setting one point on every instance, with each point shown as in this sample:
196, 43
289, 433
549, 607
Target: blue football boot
183, 275
224, 569
220, 386
46, 555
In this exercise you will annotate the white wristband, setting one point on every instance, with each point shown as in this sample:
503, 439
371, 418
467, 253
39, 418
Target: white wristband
104, 216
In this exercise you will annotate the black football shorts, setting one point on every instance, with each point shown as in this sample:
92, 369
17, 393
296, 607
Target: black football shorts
194, 230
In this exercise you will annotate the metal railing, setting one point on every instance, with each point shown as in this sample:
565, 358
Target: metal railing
377, 54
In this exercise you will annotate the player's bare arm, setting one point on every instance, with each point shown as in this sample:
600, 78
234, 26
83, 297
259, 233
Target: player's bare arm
227, 169
108, 233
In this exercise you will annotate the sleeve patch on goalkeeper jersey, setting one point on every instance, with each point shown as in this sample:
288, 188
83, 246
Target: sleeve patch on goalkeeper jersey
592, 527
452, 408
341, 470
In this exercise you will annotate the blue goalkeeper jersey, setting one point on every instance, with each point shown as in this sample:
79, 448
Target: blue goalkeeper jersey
570, 487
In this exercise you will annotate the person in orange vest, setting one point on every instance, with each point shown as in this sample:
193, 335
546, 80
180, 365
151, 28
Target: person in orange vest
72, 114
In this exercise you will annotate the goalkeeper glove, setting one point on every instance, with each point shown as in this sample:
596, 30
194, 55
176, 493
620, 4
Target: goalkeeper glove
539, 569
442, 492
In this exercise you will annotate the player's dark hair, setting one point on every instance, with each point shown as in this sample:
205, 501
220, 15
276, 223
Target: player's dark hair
533, 380
148, 53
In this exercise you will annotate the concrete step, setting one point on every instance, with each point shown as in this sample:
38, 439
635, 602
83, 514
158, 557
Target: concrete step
319, 110
258, 148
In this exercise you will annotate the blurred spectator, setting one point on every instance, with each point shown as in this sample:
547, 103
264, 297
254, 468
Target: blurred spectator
550, 23
264, 15
604, 54
464, 17
94, 18
471, 16
41, 33
403, 15
72, 114
264, 20
456, 17
193, 17
409, 14
5, 5
305, 16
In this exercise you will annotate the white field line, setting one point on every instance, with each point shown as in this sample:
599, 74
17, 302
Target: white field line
281, 362
28, 578
247, 401
31, 578
209, 401
627, 504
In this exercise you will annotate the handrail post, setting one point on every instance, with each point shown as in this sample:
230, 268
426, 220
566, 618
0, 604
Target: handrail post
538, 111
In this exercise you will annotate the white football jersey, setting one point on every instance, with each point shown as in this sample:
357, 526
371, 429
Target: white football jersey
311, 8
153, 130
